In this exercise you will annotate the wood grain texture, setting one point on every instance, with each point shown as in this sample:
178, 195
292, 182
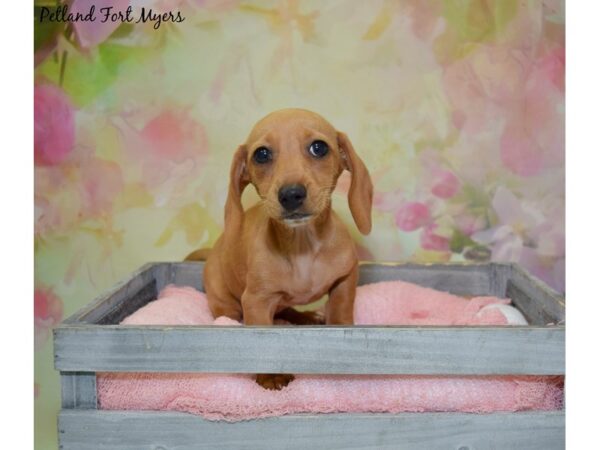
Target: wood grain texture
539, 303
318, 349
180, 274
120, 301
459, 279
117, 430
474, 279
83, 346
78, 390
499, 275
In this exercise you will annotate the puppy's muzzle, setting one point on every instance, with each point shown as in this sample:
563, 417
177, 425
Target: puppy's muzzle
292, 196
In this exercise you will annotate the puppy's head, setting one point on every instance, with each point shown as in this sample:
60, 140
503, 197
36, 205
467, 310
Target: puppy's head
294, 157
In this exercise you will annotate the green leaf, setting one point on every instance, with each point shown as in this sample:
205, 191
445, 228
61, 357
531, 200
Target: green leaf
87, 76
476, 197
47, 3
479, 20
459, 241
46, 32
470, 23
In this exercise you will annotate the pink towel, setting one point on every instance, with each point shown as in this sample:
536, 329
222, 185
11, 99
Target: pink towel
238, 397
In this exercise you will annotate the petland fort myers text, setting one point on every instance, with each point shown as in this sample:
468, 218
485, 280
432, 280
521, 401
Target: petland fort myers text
109, 13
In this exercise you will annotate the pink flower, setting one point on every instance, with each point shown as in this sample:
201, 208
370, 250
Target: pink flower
502, 83
54, 125
167, 134
524, 236
412, 215
476, 92
533, 137
445, 184
90, 34
85, 188
47, 311
553, 65
432, 241
169, 149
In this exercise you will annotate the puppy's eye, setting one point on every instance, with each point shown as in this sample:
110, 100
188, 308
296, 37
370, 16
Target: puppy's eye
262, 155
318, 149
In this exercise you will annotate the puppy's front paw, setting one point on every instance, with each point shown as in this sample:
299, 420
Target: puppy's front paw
274, 381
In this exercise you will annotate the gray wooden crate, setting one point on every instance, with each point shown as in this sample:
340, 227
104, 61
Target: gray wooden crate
90, 341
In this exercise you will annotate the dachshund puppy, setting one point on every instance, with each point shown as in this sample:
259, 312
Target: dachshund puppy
291, 248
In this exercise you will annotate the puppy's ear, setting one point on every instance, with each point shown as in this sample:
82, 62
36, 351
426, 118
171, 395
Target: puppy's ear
238, 180
360, 196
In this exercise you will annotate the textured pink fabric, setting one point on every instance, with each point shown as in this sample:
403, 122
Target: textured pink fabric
174, 306
384, 303
402, 303
238, 397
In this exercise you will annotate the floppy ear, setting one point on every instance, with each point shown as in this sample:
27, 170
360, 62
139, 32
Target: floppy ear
238, 180
360, 196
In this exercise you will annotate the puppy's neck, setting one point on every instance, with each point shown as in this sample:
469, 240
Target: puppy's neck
304, 238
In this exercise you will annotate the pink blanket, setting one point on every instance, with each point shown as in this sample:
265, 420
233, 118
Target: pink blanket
238, 397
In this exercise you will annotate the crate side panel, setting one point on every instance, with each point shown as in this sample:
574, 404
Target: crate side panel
180, 274
458, 279
112, 430
539, 304
475, 278
128, 306
500, 273
341, 350
126, 297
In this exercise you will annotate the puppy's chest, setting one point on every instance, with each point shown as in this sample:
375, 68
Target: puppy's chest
308, 278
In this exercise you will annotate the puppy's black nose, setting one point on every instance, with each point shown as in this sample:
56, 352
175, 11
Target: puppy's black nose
292, 196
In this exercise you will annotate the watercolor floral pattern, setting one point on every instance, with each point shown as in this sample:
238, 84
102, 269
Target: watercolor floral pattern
47, 310
457, 108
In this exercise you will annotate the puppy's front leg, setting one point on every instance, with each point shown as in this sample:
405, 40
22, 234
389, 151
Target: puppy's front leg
340, 307
260, 310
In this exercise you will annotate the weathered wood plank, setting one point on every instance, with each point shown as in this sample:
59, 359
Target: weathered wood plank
331, 349
459, 279
121, 300
472, 278
78, 390
539, 304
500, 273
181, 274
112, 430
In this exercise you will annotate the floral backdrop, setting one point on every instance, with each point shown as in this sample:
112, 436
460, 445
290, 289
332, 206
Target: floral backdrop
457, 108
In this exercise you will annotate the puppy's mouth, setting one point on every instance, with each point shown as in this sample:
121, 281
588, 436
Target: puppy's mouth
295, 219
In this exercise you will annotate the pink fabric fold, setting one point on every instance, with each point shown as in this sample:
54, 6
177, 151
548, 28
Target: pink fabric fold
237, 397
